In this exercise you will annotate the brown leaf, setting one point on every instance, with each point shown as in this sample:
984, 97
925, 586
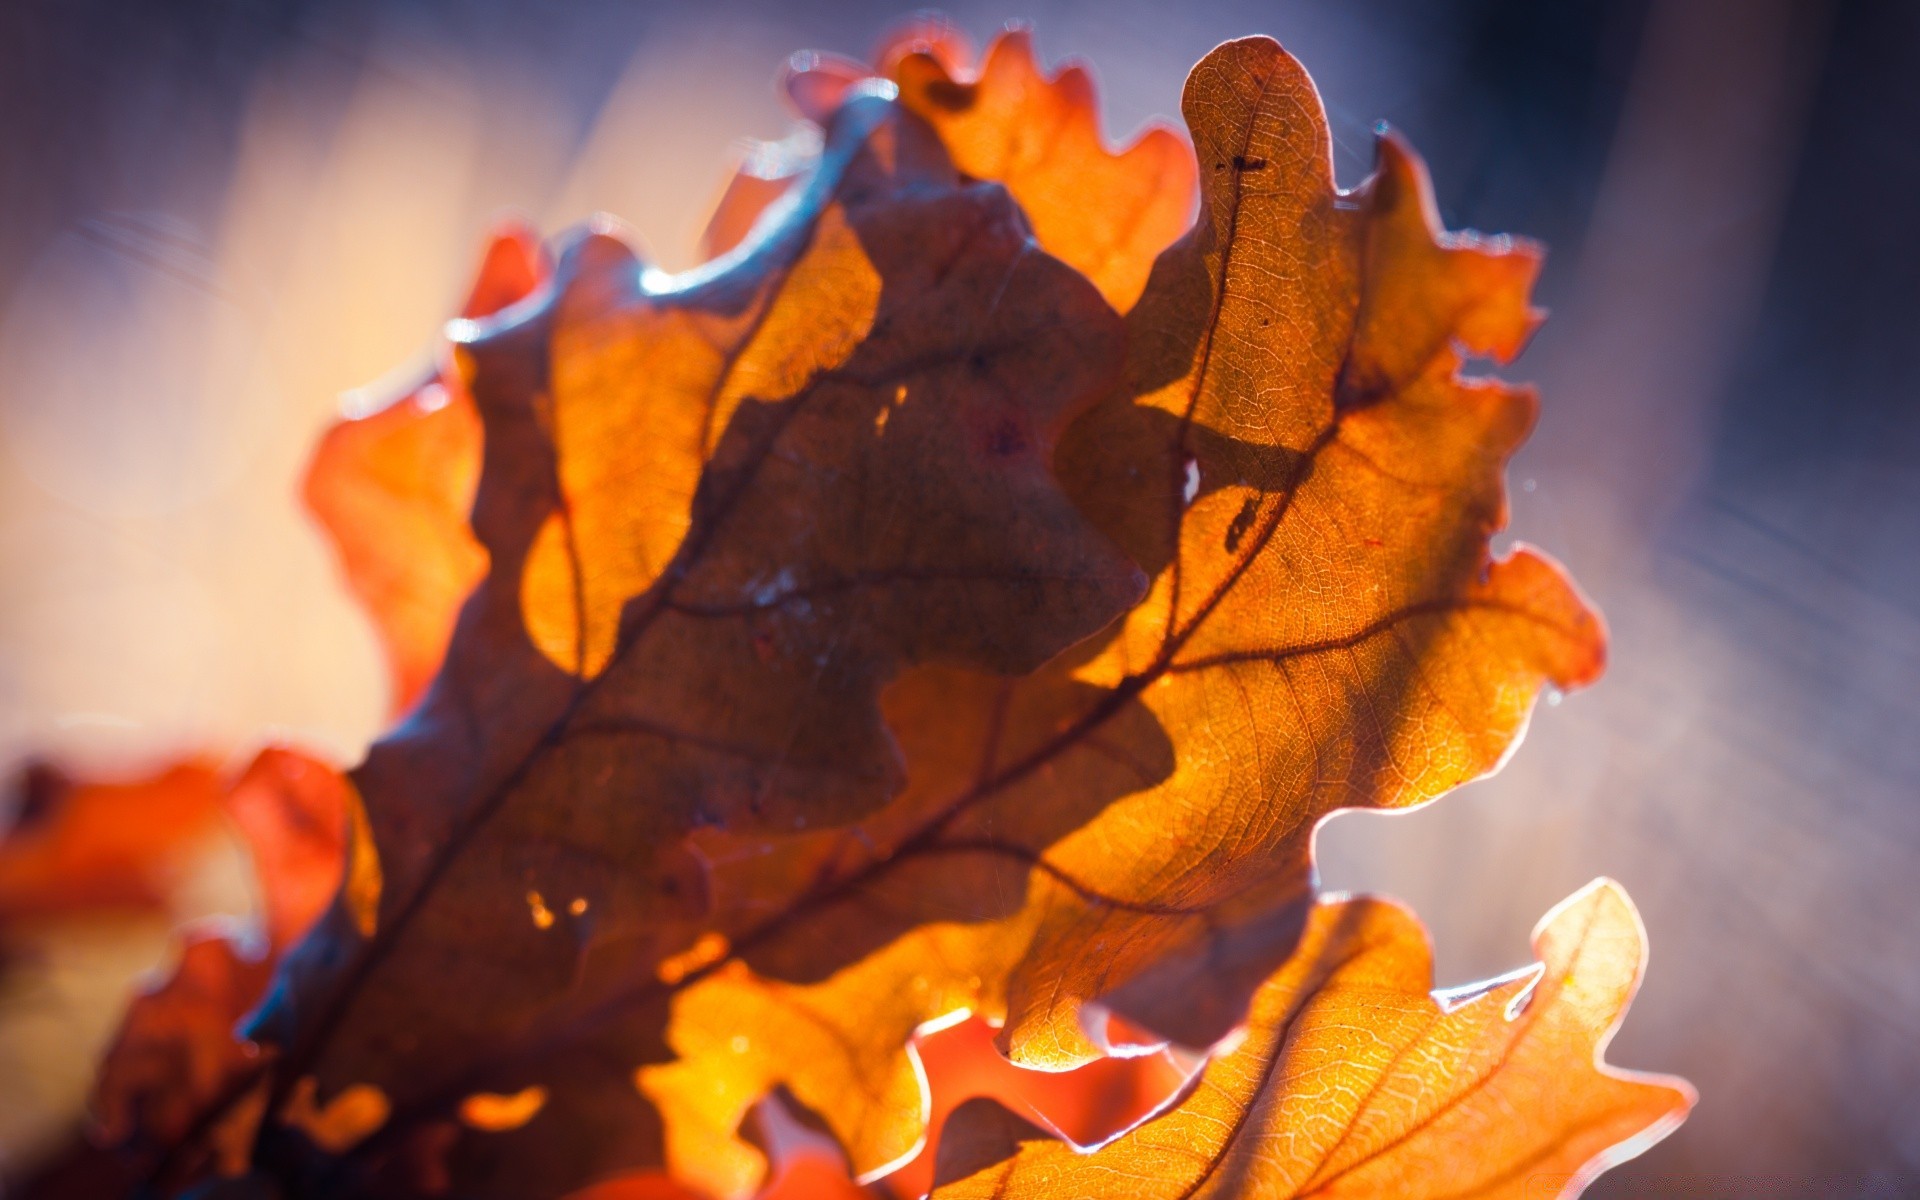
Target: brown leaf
719, 516
1354, 1080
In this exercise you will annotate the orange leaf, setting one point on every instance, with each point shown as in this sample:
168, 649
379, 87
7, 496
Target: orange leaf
177, 1050
719, 515
1085, 1106
1133, 823
1354, 1080
294, 814
873, 624
80, 845
1105, 214
392, 487
1326, 628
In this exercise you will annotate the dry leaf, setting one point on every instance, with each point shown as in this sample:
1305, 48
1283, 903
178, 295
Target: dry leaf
873, 624
79, 845
392, 487
1085, 1106
1105, 214
1354, 1080
846, 442
177, 1050
1326, 630
1039, 134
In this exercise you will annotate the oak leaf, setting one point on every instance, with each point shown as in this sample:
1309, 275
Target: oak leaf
719, 516
392, 487
1132, 825
1104, 213
873, 623
1355, 1079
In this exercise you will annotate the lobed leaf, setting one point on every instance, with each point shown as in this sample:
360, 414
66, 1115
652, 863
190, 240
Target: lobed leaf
720, 515
873, 624
392, 488
1039, 134
1353, 1079
1133, 824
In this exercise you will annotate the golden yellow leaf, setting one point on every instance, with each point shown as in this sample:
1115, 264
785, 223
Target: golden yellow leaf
1354, 1079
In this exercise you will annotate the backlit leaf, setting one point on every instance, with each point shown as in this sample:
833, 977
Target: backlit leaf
1326, 630
1354, 1080
719, 515
1105, 214
867, 677
392, 487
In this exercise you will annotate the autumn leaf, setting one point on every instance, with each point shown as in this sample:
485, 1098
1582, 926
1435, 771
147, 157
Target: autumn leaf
1325, 607
177, 1050
392, 487
76, 845
846, 445
1085, 1106
873, 624
1133, 825
1104, 213
1039, 134
1354, 1079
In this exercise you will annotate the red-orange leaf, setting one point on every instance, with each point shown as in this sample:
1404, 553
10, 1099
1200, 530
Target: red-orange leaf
178, 1050
392, 486
78, 845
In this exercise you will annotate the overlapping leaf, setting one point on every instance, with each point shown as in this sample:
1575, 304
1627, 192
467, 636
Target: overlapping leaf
804, 688
1354, 1080
1326, 629
1318, 511
178, 1051
392, 487
1104, 213
719, 517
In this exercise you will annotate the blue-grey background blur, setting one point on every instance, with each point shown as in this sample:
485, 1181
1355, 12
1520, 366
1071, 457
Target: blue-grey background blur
215, 215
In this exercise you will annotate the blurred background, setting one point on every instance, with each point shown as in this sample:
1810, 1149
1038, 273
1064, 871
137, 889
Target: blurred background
218, 215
